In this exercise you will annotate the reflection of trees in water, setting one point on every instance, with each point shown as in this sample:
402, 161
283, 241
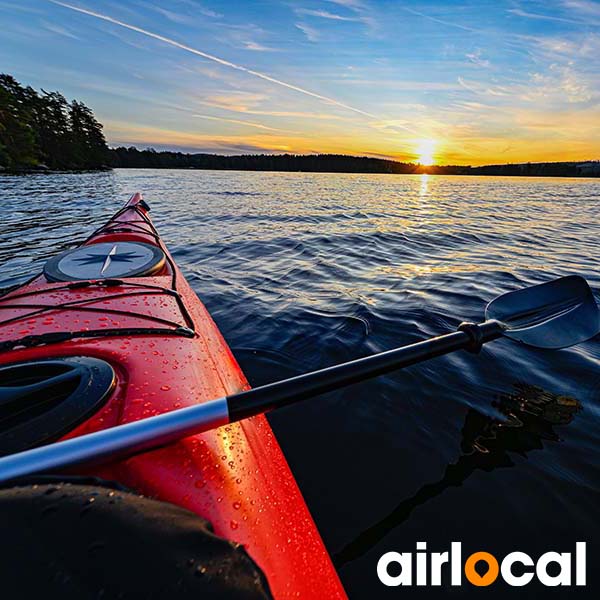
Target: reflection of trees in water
530, 414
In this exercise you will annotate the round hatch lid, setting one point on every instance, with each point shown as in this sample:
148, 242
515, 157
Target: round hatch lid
107, 260
42, 400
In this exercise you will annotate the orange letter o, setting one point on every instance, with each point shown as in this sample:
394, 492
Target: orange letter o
474, 577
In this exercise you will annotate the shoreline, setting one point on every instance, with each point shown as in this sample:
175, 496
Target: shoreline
21, 172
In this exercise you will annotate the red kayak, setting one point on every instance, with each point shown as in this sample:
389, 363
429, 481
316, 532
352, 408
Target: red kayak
110, 333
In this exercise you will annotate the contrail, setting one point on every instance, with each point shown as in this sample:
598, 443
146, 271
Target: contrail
221, 61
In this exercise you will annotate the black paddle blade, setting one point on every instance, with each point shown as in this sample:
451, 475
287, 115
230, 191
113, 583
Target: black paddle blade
556, 314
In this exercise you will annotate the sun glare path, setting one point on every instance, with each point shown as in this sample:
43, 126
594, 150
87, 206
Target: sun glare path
425, 150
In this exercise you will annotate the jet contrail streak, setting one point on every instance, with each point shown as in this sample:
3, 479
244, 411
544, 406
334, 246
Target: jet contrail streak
218, 60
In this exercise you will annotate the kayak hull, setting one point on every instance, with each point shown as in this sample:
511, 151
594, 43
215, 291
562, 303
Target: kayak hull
235, 476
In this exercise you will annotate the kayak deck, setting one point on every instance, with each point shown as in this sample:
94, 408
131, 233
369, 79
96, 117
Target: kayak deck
167, 353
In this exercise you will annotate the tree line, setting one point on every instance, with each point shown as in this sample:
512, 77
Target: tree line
334, 163
329, 163
44, 130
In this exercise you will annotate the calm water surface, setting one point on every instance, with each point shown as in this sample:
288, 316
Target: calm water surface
301, 271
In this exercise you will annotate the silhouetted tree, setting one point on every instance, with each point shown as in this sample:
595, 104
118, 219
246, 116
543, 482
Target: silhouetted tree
17, 138
44, 129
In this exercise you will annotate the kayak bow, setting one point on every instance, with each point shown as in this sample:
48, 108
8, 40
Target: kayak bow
112, 333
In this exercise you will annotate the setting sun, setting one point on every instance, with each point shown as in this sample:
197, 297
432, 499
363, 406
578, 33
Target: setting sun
424, 152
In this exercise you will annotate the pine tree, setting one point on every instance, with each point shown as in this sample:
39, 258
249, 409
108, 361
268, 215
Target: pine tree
45, 129
17, 138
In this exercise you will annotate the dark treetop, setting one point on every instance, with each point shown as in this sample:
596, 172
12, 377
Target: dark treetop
40, 130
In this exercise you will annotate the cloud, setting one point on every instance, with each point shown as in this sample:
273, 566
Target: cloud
351, 4
237, 122
221, 61
424, 86
324, 14
529, 15
238, 101
248, 103
483, 89
127, 133
584, 6
256, 47
557, 85
574, 46
207, 12
58, 30
169, 14
299, 115
13, 6
312, 34
476, 59
561, 81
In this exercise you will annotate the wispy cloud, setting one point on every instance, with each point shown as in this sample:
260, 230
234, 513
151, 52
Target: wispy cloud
200, 9
477, 59
324, 14
239, 122
214, 58
18, 7
587, 7
556, 85
405, 85
58, 30
126, 133
561, 80
352, 4
238, 101
312, 34
256, 47
543, 17
170, 15
249, 103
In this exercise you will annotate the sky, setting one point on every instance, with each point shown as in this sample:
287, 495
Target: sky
455, 82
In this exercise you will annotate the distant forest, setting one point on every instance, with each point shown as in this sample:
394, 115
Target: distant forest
334, 163
43, 131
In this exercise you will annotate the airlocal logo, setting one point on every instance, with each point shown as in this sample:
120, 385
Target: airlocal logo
517, 568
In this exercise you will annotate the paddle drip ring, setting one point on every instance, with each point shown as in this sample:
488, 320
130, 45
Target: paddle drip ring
475, 336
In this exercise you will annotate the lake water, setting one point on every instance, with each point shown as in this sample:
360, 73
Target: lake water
301, 271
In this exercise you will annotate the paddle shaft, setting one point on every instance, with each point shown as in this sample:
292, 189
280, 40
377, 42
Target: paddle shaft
140, 436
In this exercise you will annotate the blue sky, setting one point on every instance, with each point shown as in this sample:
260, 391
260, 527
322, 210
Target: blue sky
469, 82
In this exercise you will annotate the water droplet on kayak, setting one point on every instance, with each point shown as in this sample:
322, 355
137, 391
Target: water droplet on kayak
237, 505
234, 524
165, 388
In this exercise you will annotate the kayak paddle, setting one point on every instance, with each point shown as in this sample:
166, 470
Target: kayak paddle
553, 315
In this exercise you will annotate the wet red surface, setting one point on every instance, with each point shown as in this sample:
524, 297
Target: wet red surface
235, 476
